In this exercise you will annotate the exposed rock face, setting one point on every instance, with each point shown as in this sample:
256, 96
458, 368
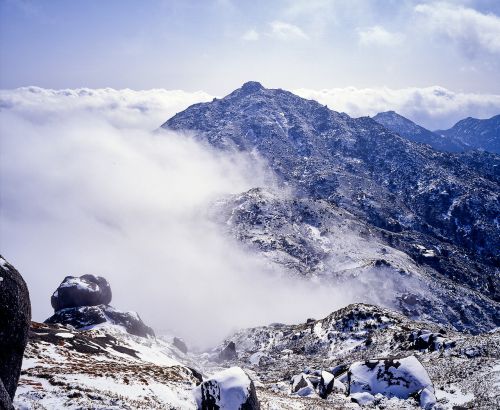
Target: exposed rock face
476, 134
229, 352
364, 173
401, 378
15, 317
85, 304
230, 389
86, 290
180, 344
408, 129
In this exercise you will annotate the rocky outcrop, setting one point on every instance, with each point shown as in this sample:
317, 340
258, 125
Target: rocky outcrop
82, 302
229, 352
401, 378
230, 389
86, 290
180, 344
15, 317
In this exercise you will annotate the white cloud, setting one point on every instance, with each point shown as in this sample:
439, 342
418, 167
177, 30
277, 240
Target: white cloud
379, 36
122, 108
251, 35
286, 31
468, 28
432, 107
85, 189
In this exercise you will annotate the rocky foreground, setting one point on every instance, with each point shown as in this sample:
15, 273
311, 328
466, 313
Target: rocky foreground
361, 355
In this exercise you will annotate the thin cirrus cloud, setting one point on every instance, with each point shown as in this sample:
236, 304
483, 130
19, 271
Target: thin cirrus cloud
286, 31
251, 35
379, 36
469, 29
279, 30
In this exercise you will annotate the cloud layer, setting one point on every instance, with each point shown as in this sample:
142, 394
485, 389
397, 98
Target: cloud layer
85, 188
432, 107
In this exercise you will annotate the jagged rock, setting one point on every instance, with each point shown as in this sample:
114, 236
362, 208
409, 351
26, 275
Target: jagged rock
180, 344
86, 290
326, 384
229, 352
401, 378
230, 389
88, 316
15, 317
302, 385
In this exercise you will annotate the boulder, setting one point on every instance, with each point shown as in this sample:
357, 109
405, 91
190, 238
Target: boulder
86, 290
15, 318
326, 383
301, 385
230, 389
180, 344
229, 352
401, 378
85, 317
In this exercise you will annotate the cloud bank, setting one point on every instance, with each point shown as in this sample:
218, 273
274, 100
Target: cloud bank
85, 189
432, 107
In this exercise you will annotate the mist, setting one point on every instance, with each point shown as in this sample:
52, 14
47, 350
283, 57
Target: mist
82, 192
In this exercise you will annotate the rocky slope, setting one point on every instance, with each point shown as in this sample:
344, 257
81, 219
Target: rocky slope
414, 132
109, 368
474, 133
440, 210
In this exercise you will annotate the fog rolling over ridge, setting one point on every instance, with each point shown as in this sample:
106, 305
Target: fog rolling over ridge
82, 195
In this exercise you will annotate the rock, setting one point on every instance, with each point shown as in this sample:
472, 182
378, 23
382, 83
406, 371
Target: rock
426, 340
401, 378
86, 290
87, 316
301, 385
326, 383
15, 318
230, 389
180, 344
229, 352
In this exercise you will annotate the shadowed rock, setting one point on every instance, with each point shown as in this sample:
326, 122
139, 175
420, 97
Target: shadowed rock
15, 317
86, 290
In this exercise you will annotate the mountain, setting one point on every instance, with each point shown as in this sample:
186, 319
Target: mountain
408, 129
474, 133
437, 209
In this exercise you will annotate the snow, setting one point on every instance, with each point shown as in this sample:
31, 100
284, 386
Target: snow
233, 385
65, 335
401, 381
79, 283
454, 396
3, 263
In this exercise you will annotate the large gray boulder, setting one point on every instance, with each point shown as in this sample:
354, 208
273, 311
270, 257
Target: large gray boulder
85, 290
230, 389
15, 318
83, 302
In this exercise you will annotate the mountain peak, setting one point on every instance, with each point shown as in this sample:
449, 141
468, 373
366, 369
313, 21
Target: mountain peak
251, 87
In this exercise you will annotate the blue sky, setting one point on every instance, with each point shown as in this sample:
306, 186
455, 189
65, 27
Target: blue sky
216, 45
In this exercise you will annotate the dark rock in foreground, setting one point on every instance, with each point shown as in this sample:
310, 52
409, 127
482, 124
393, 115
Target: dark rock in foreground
15, 317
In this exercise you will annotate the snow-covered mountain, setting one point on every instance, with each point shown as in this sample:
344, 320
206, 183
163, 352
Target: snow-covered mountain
474, 133
438, 210
414, 132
